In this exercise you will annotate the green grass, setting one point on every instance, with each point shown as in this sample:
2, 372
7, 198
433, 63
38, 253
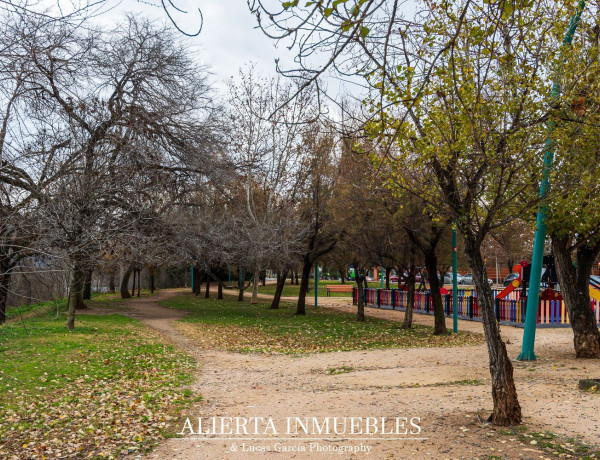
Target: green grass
242, 327
552, 444
108, 387
104, 300
293, 291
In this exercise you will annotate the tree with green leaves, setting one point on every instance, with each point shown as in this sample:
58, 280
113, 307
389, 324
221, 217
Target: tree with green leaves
574, 205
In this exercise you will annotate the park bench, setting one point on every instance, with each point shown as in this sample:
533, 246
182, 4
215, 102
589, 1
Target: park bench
338, 288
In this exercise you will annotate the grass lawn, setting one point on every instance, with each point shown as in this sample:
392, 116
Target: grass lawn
239, 326
107, 388
292, 291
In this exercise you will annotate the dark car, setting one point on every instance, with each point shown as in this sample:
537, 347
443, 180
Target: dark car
510, 278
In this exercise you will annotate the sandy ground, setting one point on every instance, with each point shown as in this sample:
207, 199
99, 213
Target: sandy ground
382, 383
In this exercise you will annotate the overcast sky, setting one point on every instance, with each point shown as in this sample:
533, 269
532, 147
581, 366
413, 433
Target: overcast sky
229, 37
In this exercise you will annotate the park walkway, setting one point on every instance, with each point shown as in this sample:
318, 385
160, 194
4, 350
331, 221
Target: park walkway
446, 387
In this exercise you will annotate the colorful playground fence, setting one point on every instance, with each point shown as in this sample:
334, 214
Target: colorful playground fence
510, 310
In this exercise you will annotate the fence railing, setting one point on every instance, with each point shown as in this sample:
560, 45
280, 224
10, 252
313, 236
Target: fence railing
509, 310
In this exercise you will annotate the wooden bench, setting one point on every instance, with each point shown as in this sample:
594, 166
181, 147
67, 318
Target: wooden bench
338, 288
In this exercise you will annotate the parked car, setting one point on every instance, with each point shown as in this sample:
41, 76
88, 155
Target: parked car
510, 278
467, 280
448, 278
394, 278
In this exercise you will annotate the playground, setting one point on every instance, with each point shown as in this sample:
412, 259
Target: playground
510, 302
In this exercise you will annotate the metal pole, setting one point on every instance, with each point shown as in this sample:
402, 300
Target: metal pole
454, 280
316, 283
527, 352
381, 276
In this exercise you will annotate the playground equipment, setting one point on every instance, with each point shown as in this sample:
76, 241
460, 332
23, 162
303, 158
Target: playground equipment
515, 284
509, 308
595, 288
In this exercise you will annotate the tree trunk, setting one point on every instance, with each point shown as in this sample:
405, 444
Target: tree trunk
87, 285
241, 285
133, 283
255, 282
207, 290
219, 291
125, 294
387, 278
510, 264
281, 277
75, 294
306, 267
436, 297
574, 285
197, 281
151, 277
410, 304
4, 285
297, 283
507, 410
263, 277
360, 278
139, 279
111, 283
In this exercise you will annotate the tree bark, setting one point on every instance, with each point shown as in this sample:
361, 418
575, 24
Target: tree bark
255, 282
306, 267
139, 281
133, 283
263, 277
4, 285
281, 277
436, 297
574, 285
219, 291
151, 282
111, 283
387, 277
241, 285
125, 294
410, 304
87, 285
360, 278
207, 290
197, 281
507, 410
75, 294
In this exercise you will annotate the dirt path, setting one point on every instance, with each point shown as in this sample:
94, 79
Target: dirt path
445, 388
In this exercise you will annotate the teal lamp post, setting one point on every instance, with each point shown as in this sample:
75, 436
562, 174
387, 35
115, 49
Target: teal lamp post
527, 350
454, 280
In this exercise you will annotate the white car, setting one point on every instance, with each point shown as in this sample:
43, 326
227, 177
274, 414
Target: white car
448, 278
467, 280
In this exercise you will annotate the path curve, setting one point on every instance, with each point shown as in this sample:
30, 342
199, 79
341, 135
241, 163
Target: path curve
445, 387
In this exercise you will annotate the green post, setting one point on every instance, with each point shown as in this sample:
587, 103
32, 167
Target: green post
381, 276
316, 283
454, 280
527, 350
